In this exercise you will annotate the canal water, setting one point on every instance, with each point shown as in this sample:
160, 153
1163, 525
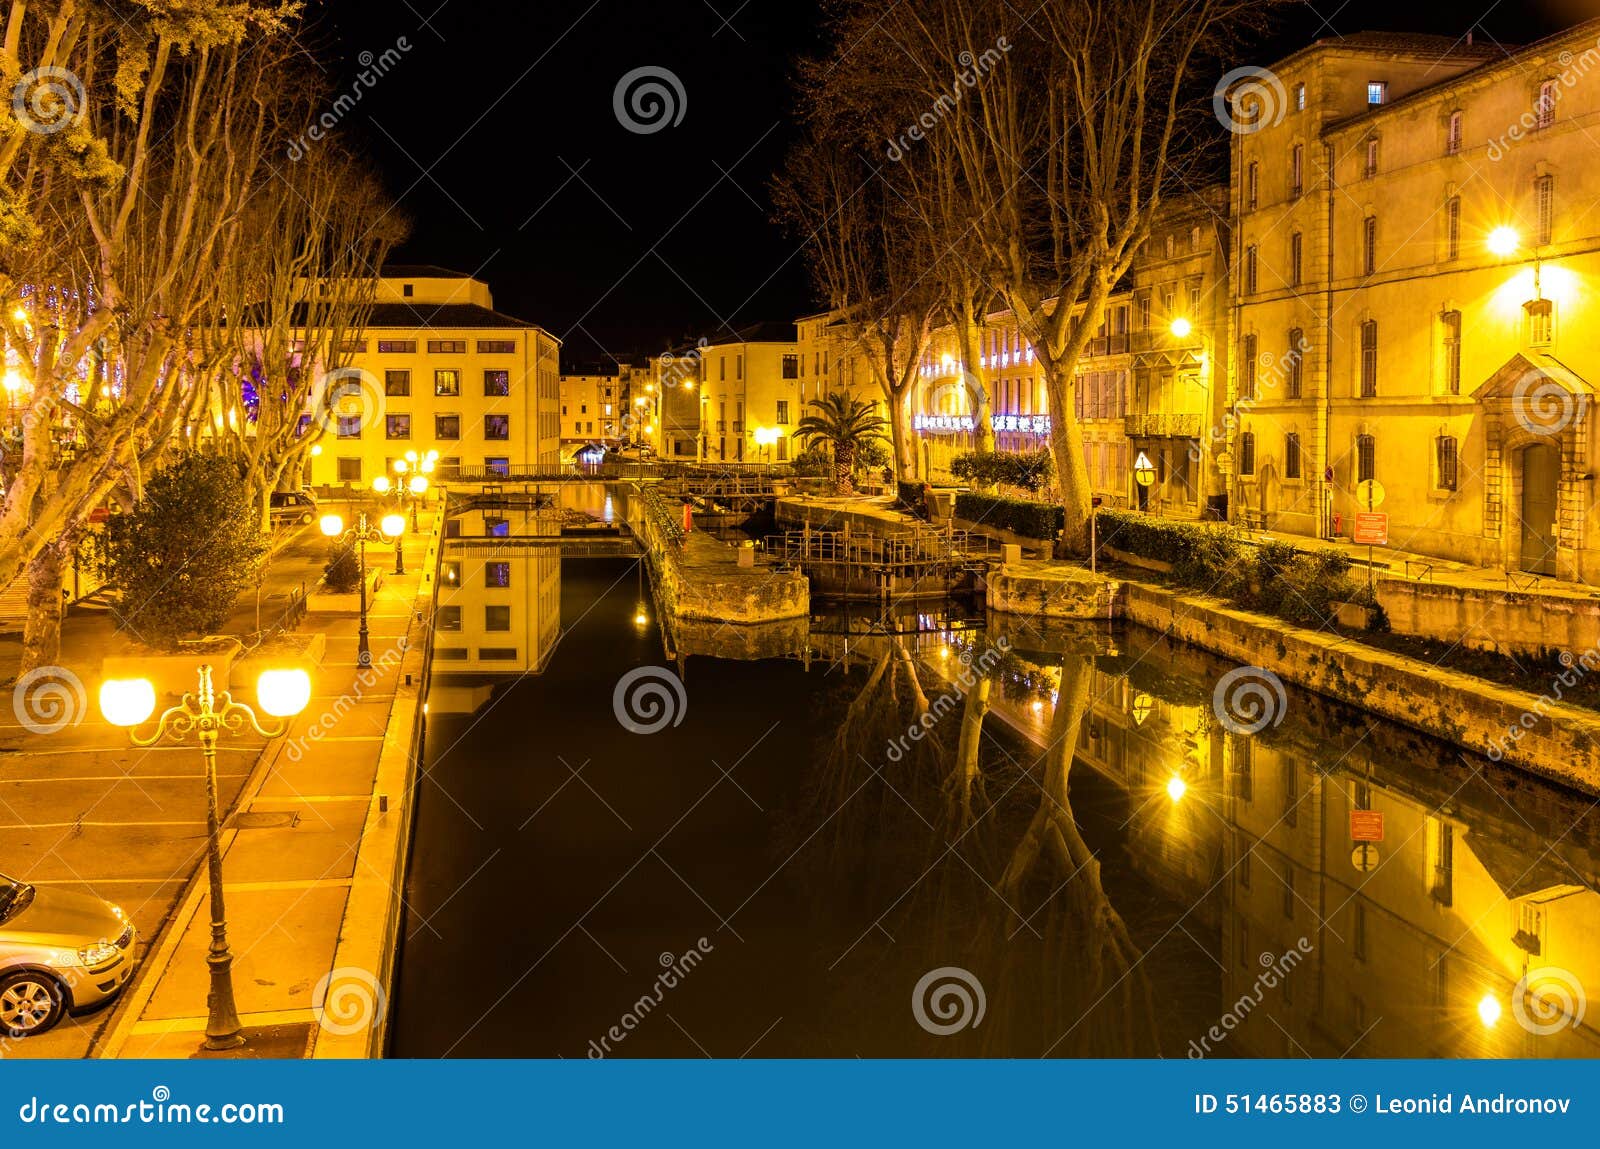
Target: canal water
931, 835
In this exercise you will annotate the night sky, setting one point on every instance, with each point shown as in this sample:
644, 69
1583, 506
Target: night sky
497, 134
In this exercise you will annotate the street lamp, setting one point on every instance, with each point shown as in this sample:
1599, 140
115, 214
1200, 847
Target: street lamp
418, 486
1181, 327
129, 702
393, 526
1503, 241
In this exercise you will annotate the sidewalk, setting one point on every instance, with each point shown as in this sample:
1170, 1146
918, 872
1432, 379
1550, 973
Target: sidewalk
290, 854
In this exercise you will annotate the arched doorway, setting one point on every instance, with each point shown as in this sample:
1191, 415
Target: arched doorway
1271, 491
1541, 476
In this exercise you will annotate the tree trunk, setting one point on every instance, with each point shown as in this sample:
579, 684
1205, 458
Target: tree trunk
1072, 473
905, 455
41, 635
973, 375
844, 468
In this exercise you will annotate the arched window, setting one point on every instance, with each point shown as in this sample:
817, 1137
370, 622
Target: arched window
1366, 458
1247, 453
1291, 456
1447, 462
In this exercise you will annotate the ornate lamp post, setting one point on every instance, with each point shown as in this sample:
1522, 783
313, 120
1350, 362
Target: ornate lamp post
392, 527
129, 702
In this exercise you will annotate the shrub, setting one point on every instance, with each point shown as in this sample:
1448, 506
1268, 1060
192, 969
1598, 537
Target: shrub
814, 462
911, 498
1025, 517
1028, 470
342, 572
186, 552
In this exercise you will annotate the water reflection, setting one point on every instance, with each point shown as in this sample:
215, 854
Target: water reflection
852, 804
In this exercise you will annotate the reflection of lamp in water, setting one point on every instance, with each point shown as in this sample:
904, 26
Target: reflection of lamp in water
1489, 1009
641, 616
1038, 705
1176, 788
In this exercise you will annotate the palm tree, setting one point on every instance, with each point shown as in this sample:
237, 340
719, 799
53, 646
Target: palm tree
846, 424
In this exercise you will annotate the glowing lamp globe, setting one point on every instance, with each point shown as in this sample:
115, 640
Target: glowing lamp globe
1176, 788
418, 484
283, 693
1489, 1009
127, 701
381, 484
332, 525
1503, 240
394, 525
1181, 327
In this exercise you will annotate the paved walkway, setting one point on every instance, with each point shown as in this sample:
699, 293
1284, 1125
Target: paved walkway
83, 809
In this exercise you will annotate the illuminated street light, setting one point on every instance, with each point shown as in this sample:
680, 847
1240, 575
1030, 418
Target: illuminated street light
129, 702
381, 484
1503, 241
1181, 327
392, 527
1489, 1009
1177, 788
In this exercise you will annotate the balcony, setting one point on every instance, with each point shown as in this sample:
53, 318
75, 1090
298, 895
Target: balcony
1164, 426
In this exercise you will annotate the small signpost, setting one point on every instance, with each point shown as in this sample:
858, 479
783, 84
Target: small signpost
1364, 857
1366, 825
1371, 528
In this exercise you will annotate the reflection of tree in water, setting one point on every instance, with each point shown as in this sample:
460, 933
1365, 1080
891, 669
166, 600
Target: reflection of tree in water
1023, 906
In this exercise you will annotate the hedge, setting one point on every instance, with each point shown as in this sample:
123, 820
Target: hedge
911, 498
1021, 516
1029, 470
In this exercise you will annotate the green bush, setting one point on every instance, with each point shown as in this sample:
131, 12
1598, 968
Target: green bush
1028, 470
1022, 516
911, 498
342, 572
815, 462
185, 553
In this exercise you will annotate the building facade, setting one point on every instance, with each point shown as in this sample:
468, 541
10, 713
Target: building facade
592, 412
438, 369
750, 395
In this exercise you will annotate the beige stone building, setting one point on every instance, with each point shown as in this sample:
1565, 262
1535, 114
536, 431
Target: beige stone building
1414, 254
592, 411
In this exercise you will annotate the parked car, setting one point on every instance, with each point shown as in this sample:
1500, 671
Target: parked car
292, 507
59, 952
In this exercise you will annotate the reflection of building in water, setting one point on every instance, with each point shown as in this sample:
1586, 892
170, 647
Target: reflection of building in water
499, 604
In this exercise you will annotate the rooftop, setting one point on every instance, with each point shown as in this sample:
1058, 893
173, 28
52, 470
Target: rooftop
420, 271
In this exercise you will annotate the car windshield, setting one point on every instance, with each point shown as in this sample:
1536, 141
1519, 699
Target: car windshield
15, 897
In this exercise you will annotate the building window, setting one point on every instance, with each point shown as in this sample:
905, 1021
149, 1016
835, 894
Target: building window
1452, 135
447, 381
447, 618
1358, 939
1247, 453
1544, 190
1252, 186
447, 426
1297, 169
791, 366
1243, 870
1369, 245
1299, 97
497, 383
497, 347
397, 383
397, 426
783, 411
447, 347
1377, 91
1372, 157
1369, 359
1250, 270
349, 427
1450, 321
407, 290
1366, 458
497, 575
497, 654
349, 470
1247, 367
1244, 768
1545, 108
1296, 247
397, 347
1291, 456
498, 465
1541, 321
1294, 361
1445, 454
497, 617
498, 426
1452, 227
1288, 877
1143, 306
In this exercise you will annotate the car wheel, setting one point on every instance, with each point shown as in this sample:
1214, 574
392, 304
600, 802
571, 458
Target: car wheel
305, 519
30, 1003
